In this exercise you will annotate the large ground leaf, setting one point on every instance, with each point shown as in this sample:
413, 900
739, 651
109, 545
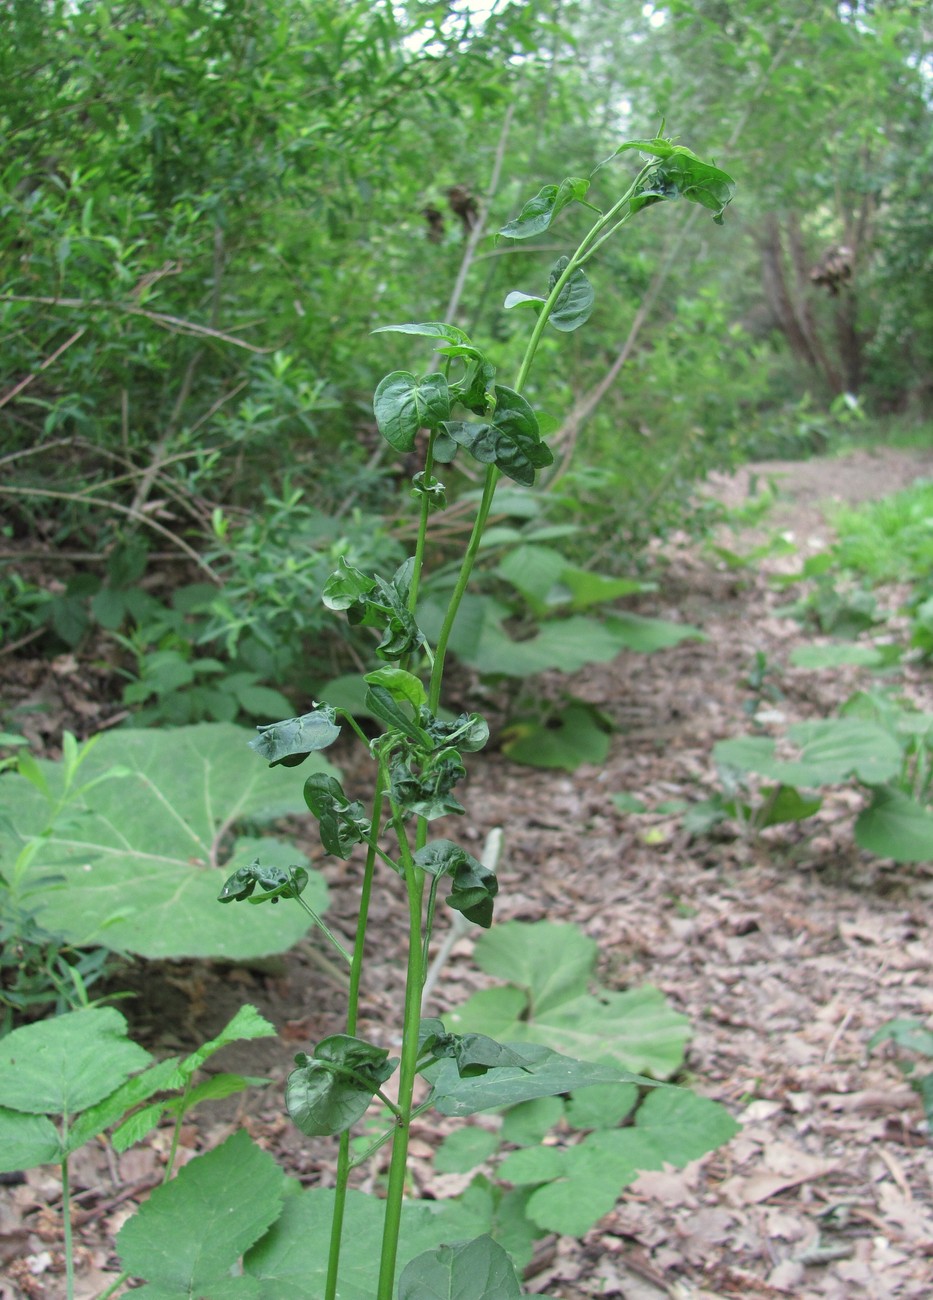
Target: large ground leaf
548, 967
140, 858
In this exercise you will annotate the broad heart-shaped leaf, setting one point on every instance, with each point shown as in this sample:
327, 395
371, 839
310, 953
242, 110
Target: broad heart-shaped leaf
582, 1182
63, 1066
538, 213
895, 826
291, 1260
138, 853
468, 1270
831, 751
27, 1141
575, 301
548, 581
545, 1074
403, 404
548, 967
551, 961
193, 1230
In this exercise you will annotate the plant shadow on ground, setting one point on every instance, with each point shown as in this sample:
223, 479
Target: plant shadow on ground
787, 954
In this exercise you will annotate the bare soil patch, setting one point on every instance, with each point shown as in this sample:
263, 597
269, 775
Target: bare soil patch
786, 952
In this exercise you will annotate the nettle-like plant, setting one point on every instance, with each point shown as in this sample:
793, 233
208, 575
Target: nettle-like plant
227, 1224
419, 754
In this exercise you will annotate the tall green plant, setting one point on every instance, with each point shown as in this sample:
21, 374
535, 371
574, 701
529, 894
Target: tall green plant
419, 754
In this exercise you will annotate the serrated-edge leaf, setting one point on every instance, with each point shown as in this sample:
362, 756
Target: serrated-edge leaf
194, 1229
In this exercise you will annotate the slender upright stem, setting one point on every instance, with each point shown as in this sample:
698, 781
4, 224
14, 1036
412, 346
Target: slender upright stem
66, 1219
353, 1004
414, 883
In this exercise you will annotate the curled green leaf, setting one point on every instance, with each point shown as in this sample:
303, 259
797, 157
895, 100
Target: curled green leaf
427, 486
538, 213
421, 784
429, 329
333, 1087
679, 173
574, 302
291, 741
474, 886
347, 587
342, 824
272, 883
510, 439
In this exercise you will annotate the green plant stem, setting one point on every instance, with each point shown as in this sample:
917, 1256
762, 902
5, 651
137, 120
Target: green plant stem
585, 250
414, 882
118, 1282
344, 1164
328, 934
66, 1223
463, 579
422, 527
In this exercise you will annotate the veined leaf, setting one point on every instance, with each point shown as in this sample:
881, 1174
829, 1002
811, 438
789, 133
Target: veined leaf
538, 213
138, 852
549, 967
404, 404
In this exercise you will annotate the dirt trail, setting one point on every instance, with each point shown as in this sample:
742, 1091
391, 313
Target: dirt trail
786, 953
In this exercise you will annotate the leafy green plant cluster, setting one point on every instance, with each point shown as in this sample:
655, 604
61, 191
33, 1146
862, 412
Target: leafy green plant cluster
879, 743
420, 756
68, 1080
880, 542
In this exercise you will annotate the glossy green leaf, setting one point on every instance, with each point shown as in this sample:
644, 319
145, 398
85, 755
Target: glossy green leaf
381, 703
510, 439
332, 1088
545, 1074
518, 299
139, 853
430, 329
63, 1066
291, 741
538, 213
895, 826
347, 587
575, 302
403, 404
193, 1230
467, 1270
401, 685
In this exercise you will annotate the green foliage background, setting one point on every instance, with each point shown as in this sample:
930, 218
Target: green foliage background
207, 208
